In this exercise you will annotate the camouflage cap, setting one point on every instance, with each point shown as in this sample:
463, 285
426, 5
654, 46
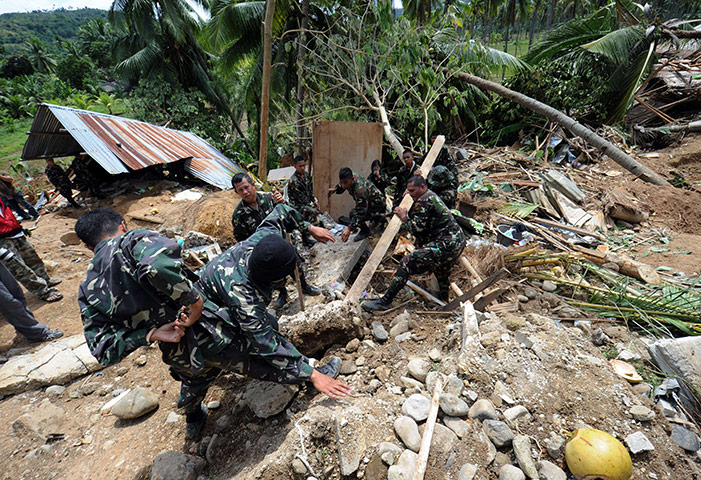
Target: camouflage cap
440, 177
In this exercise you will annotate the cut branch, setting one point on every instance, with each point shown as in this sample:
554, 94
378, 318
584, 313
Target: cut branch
391, 138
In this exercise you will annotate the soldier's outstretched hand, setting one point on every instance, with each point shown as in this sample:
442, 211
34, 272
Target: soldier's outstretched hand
169, 333
345, 234
320, 234
328, 385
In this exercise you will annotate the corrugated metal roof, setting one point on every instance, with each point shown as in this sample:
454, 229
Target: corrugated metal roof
123, 144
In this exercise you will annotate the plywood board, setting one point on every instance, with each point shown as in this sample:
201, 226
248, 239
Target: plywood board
337, 145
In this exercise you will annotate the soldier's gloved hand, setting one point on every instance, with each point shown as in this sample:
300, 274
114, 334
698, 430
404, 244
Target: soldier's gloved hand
190, 314
320, 234
329, 386
169, 332
345, 234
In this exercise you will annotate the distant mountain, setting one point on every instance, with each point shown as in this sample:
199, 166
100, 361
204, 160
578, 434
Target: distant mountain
15, 28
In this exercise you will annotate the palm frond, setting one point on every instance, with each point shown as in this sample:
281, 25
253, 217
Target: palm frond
618, 44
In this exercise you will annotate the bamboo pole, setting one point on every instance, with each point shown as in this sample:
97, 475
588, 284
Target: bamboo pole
265, 94
422, 459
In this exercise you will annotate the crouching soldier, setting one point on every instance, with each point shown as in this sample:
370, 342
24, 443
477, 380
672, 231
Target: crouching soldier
444, 184
136, 286
439, 242
369, 211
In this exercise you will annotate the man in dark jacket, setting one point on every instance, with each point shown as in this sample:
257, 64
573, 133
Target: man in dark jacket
60, 180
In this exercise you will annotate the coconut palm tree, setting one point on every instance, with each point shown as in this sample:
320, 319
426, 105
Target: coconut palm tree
42, 61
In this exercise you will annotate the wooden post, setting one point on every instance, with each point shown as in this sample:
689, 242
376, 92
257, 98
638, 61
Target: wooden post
378, 253
422, 459
265, 94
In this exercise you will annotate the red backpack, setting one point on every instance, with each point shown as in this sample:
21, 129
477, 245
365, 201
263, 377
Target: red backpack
9, 226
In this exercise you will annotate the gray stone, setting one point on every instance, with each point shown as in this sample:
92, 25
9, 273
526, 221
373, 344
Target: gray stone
348, 367
554, 446
222, 423
298, 467
498, 432
408, 432
452, 405
374, 385
55, 390
599, 338
197, 239
684, 438
467, 472
411, 383
435, 355
522, 298
549, 286
379, 332
523, 339
550, 471
173, 417
530, 293
627, 356
266, 399
442, 441
135, 404
419, 368
454, 385
349, 445
457, 425
214, 404
643, 389
641, 413
353, 345
399, 328
637, 443
522, 450
141, 360
482, 410
509, 472
176, 466
404, 468
503, 393
389, 452
471, 396
491, 450
514, 414
87, 388
678, 357
666, 408
402, 317
489, 339
41, 421
432, 378
416, 407
403, 337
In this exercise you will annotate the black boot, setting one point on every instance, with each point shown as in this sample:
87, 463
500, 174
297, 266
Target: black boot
307, 288
385, 302
363, 234
443, 289
281, 298
195, 420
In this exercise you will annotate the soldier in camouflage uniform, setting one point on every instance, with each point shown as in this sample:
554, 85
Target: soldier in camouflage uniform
250, 213
444, 184
25, 265
409, 169
439, 242
84, 177
300, 191
138, 291
378, 177
369, 211
60, 180
444, 158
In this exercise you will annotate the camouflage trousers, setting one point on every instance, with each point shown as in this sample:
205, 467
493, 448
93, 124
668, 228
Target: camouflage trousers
370, 220
435, 257
26, 266
449, 197
308, 212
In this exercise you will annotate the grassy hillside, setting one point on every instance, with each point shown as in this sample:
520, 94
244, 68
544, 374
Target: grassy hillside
15, 28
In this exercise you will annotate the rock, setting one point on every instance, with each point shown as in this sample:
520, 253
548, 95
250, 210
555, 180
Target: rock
498, 432
298, 467
348, 367
522, 450
135, 404
489, 339
399, 328
374, 385
550, 471
55, 390
141, 360
87, 389
403, 337
42, 421
432, 378
522, 298
467, 472
360, 361
418, 368
554, 446
471, 396
641, 413
416, 407
389, 452
637, 443
509, 472
214, 404
514, 414
410, 383
678, 357
353, 345
599, 338
266, 399
452, 405
404, 468
549, 286
402, 317
435, 355
666, 408
482, 410
685, 438
197, 239
408, 432
454, 385
523, 339
457, 425
379, 332
627, 356
173, 417
643, 389
442, 441
383, 372
502, 392
530, 293
176, 466
223, 423
350, 446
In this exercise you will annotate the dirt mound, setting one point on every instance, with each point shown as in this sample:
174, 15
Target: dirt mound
672, 207
210, 215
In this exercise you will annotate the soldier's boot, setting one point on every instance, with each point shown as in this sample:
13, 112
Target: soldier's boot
443, 289
331, 368
281, 298
195, 420
307, 288
363, 234
385, 302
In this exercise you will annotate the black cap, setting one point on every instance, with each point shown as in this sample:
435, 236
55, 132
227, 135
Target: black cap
272, 259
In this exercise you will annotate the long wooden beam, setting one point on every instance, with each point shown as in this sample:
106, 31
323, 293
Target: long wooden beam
380, 249
471, 293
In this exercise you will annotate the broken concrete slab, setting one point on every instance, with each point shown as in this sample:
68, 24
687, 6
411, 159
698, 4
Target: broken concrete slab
680, 357
350, 445
338, 260
57, 363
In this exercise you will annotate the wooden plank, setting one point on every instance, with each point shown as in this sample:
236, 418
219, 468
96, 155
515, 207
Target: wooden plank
424, 293
487, 299
470, 294
422, 459
388, 236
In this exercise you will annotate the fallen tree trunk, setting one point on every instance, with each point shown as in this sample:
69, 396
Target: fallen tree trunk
606, 147
391, 138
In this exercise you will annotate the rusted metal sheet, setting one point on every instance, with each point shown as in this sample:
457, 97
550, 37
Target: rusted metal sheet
122, 144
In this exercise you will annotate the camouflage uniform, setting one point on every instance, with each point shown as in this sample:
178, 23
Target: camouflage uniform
84, 176
446, 160
444, 184
369, 207
400, 180
60, 180
246, 219
300, 191
26, 266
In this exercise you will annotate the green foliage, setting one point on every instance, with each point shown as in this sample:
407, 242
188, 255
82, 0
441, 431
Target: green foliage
76, 70
12, 138
15, 65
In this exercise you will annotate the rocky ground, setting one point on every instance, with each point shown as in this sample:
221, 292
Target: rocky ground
512, 395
